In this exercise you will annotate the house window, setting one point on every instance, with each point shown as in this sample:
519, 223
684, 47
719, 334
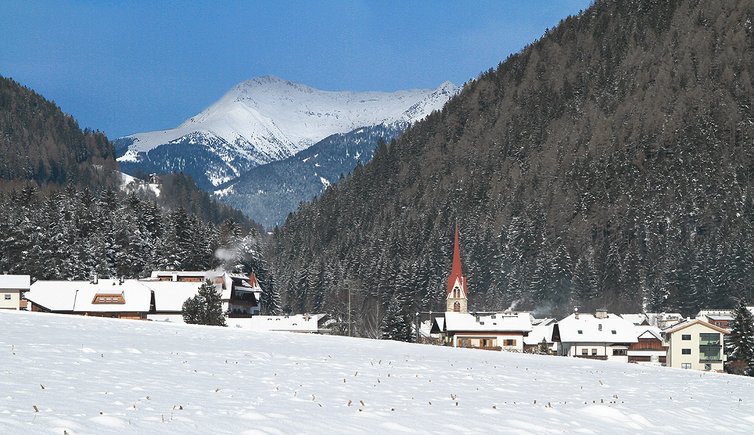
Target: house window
685, 351
509, 342
709, 339
619, 352
594, 352
580, 331
599, 327
686, 365
488, 342
457, 307
585, 352
7, 296
613, 332
686, 337
708, 367
109, 298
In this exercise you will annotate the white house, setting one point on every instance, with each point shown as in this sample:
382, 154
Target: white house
12, 288
301, 323
241, 294
497, 331
721, 318
650, 347
541, 332
602, 335
695, 344
127, 299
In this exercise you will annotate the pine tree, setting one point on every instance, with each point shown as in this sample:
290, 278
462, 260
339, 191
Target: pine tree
396, 324
205, 308
740, 343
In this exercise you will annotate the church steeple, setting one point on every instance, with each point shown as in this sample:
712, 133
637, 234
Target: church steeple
457, 294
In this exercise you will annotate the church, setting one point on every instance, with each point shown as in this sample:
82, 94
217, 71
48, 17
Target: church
489, 331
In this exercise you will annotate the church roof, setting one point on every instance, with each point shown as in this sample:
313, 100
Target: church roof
456, 273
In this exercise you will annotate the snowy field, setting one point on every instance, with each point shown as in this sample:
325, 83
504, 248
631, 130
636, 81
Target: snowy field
88, 375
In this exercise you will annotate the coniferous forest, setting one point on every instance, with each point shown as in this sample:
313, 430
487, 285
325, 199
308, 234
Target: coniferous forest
608, 164
64, 216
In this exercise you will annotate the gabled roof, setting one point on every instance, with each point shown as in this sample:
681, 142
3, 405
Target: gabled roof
438, 325
15, 282
689, 322
589, 329
652, 332
541, 331
636, 319
170, 295
498, 322
79, 296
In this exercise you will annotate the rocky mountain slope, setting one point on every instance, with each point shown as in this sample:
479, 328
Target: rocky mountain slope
264, 120
609, 163
268, 193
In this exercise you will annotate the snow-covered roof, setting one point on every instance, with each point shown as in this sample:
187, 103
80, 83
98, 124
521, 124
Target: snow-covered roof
648, 332
589, 329
714, 312
170, 295
206, 274
14, 282
293, 323
663, 320
498, 322
721, 317
79, 296
539, 332
636, 319
689, 322
438, 325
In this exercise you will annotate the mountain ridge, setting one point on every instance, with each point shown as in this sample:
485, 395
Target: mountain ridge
268, 119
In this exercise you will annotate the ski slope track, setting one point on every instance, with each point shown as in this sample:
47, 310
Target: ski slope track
92, 375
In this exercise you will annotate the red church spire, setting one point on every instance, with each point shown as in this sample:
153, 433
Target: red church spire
456, 273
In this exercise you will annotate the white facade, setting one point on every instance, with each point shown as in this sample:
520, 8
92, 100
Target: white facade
696, 345
602, 335
11, 288
501, 331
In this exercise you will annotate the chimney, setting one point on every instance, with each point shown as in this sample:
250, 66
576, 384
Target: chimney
576, 312
600, 313
93, 279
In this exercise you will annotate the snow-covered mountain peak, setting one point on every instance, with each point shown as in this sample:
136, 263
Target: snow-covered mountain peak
267, 118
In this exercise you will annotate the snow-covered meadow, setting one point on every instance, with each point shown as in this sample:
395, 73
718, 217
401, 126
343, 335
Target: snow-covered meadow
90, 375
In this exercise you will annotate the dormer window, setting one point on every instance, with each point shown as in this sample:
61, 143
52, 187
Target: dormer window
599, 327
580, 331
614, 332
109, 298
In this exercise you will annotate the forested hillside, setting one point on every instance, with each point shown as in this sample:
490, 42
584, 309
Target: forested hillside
39, 143
607, 164
72, 233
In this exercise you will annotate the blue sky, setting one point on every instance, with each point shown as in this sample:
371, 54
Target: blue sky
126, 67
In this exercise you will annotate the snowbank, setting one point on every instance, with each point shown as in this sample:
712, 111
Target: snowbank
98, 375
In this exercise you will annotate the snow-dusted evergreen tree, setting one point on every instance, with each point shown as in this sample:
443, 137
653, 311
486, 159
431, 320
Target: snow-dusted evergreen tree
396, 324
740, 342
205, 308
